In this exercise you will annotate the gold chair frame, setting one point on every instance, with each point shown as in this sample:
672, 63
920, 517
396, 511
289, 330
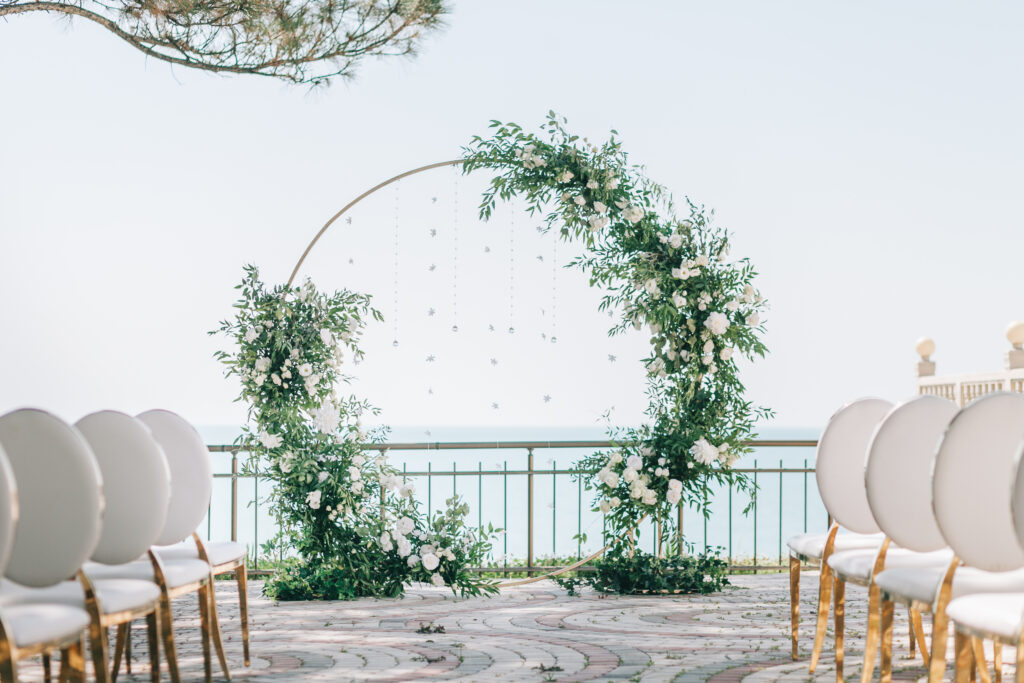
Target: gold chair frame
240, 569
72, 650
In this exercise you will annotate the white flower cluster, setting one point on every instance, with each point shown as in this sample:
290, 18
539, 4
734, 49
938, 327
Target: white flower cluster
530, 158
640, 482
704, 452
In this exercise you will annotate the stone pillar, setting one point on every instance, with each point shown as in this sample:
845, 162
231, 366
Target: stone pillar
925, 348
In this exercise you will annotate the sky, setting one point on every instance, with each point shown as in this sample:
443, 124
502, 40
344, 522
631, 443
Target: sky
867, 157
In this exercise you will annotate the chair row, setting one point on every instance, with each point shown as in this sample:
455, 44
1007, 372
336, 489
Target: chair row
928, 509
97, 529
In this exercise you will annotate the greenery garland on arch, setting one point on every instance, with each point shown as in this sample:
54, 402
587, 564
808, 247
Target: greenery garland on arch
354, 523
667, 273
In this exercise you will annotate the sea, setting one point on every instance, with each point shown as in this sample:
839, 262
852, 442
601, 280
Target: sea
741, 527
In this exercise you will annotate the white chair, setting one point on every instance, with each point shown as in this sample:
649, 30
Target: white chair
898, 479
861, 566
843, 442
49, 461
978, 494
191, 483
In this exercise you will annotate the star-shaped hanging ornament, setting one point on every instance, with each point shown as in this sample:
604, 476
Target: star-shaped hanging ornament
432, 267
611, 358
547, 398
543, 336
349, 220
351, 261
431, 312
539, 257
540, 228
431, 359
487, 250
433, 232
491, 328
494, 361
433, 200
494, 406
430, 391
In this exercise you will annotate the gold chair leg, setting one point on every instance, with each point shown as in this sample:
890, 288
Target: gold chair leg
241, 574
47, 670
962, 646
794, 606
167, 633
100, 651
839, 614
888, 612
940, 627
871, 640
1019, 657
9, 668
978, 648
128, 650
153, 632
215, 629
204, 619
119, 647
918, 629
72, 662
910, 630
824, 598
997, 661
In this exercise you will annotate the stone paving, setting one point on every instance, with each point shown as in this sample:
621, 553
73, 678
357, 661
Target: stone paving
527, 633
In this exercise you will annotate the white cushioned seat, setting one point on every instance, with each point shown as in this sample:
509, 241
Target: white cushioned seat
219, 552
922, 583
813, 545
176, 572
996, 613
38, 623
115, 595
858, 564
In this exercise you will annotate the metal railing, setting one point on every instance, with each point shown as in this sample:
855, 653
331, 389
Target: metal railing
763, 477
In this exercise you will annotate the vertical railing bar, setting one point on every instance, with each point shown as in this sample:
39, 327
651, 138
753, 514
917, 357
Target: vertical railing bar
554, 504
529, 509
455, 479
805, 495
504, 513
480, 496
780, 513
579, 517
730, 523
430, 492
679, 529
256, 519
704, 514
755, 516
234, 496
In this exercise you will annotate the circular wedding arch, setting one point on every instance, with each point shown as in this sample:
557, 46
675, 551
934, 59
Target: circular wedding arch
344, 209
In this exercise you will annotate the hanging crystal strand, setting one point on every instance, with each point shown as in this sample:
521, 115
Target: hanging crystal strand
511, 269
455, 256
394, 290
554, 292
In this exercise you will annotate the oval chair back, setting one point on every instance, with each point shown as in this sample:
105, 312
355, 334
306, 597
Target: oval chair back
191, 473
972, 482
8, 510
60, 494
136, 482
839, 465
898, 475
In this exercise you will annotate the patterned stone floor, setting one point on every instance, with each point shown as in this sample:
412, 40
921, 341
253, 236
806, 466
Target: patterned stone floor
528, 633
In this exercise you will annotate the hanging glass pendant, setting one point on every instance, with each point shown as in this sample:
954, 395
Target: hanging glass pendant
554, 339
395, 343
511, 330
455, 328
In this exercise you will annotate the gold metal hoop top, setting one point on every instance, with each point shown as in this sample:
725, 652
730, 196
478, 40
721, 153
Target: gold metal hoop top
309, 247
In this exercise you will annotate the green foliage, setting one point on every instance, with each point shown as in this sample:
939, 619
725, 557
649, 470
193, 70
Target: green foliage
348, 514
657, 269
618, 572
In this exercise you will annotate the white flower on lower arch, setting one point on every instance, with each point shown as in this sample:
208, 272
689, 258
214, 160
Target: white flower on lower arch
385, 542
598, 222
634, 462
437, 580
652, 287
405, 526
406, 491
675, 240
270, 440
675, 485
413, 560
753, 319
404, 547
251, 334
630, 475
580, 201
262, 364
305, 369
313, 499
566, 177
649, 497
326, 417
430, 561
354, 474
633, 214
322, 477
703, 452
726, 353
326, 336
673, 496
605, 506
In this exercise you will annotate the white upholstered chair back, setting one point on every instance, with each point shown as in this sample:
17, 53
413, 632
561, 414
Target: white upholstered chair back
972, 483
136, 483
842, 453
191, 473
8, 510
60, 494
898, 476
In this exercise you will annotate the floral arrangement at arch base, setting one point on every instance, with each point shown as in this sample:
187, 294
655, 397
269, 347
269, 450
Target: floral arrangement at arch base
663, 272
352, 525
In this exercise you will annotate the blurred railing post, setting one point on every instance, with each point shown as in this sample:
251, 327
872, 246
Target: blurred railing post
529, 509
234, 495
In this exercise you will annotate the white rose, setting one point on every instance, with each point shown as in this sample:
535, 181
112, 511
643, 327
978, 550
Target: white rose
652, 287
675, 240
437, 580
650, 497
250, 335
702, 260
322, 477
673, 496
326, 336
566, 177
753, 319
605, 506
260, 379
405, 526
726, 353
615, 502
358, 460
313, 499
634, 462
430, 561
262, 364
385, 542
413, 560
276, 379
732, 306
354, 474
615, 459
612, 183
305, 369
404, 547
270, 440
717, 322
357, 487
580, 201
629, 475
612, 480
633, 214
675, 485
598, 223
678, 300
406, 491
592, 185
599, 207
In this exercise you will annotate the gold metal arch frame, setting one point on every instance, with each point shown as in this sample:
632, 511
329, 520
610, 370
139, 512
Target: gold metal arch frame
295, 272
